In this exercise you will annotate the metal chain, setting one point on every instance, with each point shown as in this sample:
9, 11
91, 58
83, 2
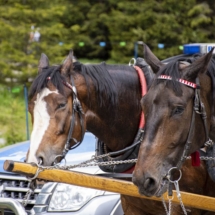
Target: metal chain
202, 158
94, 162
182, 205
170, 206
27, 197
165, 206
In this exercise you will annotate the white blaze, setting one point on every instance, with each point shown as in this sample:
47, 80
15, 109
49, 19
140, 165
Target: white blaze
41, 123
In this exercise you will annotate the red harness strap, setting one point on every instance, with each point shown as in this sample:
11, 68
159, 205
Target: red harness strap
143, 92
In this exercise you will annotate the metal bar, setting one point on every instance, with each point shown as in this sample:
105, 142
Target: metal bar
108, 184
20, 189
15, 206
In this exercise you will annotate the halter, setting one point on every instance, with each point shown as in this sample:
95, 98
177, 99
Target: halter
198, 108
77, 108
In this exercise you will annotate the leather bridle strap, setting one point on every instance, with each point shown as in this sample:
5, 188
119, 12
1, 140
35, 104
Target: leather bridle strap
190, 137
77, 108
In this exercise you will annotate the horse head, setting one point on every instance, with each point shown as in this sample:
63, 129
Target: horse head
51, 106
170, 133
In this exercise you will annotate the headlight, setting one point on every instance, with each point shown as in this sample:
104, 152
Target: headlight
71, 198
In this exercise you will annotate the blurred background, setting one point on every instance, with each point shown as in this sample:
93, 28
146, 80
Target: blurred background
97, 30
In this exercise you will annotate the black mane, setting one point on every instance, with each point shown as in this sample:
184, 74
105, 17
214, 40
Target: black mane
99, 74
102, 81
41, 81
172, 69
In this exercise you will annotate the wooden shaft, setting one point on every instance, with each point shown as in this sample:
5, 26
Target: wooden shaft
107, 184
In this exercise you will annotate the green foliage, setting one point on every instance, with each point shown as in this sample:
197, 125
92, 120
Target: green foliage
64, 24
12, 115
83, 24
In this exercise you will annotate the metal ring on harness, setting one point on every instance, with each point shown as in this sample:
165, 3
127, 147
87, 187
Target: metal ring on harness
130, 62
55, 159
169, 174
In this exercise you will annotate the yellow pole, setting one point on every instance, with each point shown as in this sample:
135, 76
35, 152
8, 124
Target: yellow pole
107, 184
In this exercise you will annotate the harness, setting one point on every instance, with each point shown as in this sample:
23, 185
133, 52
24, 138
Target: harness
128, 153
198, 108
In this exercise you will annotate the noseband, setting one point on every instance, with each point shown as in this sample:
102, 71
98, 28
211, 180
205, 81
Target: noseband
77, 108
198, 108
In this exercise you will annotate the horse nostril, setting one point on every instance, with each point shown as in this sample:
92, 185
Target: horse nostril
149, 184
40, 160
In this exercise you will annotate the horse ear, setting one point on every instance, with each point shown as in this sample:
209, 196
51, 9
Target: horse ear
43, 63
151, 59
68, 64
198, 66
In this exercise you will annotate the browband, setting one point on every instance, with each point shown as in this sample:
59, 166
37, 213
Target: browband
185, 82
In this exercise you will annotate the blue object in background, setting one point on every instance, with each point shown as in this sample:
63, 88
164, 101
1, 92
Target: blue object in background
160, 45
102, 44
191, 48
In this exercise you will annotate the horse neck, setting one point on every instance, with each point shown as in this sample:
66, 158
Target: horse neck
117, 125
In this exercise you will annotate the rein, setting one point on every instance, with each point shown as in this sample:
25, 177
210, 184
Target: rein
198, 108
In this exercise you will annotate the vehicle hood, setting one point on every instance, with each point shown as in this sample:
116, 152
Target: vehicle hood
18, 151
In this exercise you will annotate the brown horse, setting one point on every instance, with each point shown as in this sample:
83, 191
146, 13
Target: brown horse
179, 119
110, 98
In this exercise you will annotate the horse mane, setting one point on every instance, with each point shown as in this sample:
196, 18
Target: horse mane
98, 74
101, 78
172, 69
41, 81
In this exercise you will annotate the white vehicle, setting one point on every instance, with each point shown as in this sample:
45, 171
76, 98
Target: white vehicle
55, 198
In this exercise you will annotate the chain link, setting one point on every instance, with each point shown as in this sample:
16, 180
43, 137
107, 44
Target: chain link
165, 206
182, 205
27, 197
202, 158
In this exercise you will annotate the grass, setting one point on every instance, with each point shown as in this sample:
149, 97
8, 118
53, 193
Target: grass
12, 116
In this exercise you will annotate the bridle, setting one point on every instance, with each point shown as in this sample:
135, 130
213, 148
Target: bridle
77, 108
198, 108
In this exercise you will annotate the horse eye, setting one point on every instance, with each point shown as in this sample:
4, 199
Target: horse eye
178, 110
61, 105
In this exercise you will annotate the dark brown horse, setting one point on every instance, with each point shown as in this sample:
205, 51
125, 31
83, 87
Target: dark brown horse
176, 125
110, 97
